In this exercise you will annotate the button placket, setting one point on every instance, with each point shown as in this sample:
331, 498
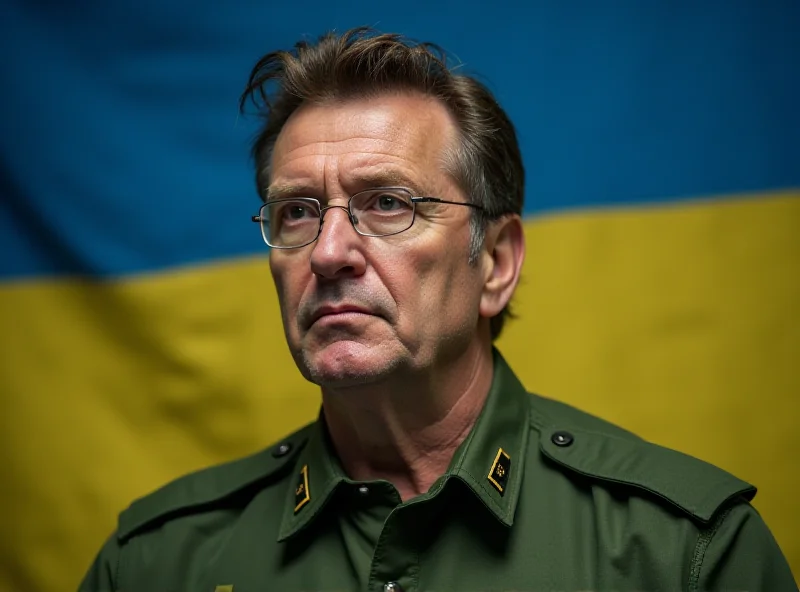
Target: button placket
394, 560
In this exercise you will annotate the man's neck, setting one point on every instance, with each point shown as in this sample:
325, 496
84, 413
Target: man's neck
407, 432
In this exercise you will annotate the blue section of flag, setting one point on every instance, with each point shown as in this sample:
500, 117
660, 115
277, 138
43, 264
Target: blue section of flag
122, 151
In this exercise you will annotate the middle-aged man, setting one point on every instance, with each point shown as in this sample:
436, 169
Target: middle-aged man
392, 193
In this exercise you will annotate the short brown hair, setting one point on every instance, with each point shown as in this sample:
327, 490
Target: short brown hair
486, 162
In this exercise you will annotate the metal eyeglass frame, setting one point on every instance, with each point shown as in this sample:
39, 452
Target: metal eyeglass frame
353, 220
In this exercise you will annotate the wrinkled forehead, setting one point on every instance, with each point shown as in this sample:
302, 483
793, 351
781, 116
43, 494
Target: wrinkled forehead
410, 130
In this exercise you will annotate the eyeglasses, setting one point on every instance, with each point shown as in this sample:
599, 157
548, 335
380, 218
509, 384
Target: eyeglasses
294, 222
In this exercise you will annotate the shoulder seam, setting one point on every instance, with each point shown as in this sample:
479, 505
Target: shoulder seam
538, 420
703, 542
117, 568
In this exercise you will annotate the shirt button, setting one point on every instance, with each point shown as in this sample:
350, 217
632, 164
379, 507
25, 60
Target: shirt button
562, 438
282, 450
364, 490
392, 587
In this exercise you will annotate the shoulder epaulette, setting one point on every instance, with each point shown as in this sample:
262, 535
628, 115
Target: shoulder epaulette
202, 488
609, 454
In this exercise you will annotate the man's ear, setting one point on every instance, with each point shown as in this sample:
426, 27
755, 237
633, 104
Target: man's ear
502, 258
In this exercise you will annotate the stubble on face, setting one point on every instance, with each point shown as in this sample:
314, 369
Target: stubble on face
348, 339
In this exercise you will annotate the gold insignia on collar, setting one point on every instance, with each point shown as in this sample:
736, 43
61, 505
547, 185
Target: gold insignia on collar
224, 588
302, 495
501, 467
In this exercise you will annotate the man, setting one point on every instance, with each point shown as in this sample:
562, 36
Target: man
392, 193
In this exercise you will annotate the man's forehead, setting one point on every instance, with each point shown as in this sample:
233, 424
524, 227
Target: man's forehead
377, 142
342, 126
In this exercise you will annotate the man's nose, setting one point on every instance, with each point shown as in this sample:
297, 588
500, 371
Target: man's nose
338, 250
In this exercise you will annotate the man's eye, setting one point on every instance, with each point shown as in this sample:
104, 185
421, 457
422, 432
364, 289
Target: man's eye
296, 212
387, 202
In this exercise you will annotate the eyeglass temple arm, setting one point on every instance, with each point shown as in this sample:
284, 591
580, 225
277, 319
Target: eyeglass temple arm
437, 200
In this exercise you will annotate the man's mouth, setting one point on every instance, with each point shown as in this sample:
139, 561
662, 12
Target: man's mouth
338, 311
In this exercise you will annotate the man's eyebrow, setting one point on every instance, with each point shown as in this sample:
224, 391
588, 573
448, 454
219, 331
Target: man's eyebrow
288, 190
384, 178
359, 182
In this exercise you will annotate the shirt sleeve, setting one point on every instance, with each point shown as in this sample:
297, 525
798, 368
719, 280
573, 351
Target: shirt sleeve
739, 553
102, 575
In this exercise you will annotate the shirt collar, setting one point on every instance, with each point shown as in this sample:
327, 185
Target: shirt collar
490, 461
492, 457
317, 475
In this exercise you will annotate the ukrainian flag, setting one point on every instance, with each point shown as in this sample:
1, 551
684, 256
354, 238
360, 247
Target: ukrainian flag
140, 332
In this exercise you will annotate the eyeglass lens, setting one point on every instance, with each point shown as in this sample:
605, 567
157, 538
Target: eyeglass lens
376, 212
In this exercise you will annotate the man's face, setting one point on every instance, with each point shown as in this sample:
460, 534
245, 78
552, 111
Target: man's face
358, 309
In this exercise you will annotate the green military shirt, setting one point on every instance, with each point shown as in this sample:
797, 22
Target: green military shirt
540, 496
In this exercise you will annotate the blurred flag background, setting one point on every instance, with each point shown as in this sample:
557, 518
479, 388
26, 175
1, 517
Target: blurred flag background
140, 332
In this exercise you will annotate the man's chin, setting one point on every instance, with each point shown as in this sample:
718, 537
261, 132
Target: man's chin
346, 364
